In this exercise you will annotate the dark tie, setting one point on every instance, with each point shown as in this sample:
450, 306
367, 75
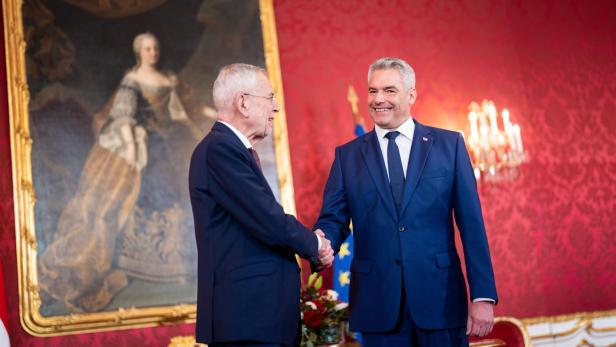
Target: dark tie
394, 165
256, 157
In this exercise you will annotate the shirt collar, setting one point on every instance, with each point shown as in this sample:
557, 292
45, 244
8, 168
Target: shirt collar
407, 129
241, 136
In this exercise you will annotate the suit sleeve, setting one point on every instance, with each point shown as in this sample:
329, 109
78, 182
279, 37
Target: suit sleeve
334, 218
242, 193
469, 219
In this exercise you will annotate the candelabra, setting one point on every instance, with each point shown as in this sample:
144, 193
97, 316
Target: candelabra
495, 153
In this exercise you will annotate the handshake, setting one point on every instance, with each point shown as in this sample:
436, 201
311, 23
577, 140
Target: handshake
326, 253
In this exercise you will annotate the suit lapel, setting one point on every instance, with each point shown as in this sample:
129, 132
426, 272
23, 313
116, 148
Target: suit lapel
237, 142
422, 142
376, 166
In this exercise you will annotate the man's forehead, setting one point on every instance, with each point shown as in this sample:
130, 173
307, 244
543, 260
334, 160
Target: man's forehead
264, 83
385, 78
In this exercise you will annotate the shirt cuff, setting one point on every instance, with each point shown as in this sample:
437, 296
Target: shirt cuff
484, 299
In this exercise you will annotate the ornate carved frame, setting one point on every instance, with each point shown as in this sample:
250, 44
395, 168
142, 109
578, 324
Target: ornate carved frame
25, 196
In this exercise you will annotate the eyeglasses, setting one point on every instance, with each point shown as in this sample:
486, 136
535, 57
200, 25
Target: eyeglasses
271, 97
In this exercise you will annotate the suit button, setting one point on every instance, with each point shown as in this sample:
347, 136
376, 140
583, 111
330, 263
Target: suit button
398, 262
401, 228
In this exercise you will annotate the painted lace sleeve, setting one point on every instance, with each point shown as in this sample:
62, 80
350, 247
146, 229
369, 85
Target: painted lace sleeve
125, 103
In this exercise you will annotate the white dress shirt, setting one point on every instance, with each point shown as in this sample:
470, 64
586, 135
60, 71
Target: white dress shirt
404, 142
239, 134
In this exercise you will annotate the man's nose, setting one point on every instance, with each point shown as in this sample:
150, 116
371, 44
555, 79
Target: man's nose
379, 97
275, 107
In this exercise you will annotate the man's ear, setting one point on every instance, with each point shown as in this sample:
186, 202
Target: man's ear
412, 95
240, 104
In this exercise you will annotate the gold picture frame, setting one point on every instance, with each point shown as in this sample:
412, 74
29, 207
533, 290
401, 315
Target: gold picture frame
25, 195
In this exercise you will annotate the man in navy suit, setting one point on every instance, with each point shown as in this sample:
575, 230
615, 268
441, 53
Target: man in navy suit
248, 277
401, 185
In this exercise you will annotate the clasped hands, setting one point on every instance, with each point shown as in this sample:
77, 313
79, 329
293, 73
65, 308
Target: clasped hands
326, 253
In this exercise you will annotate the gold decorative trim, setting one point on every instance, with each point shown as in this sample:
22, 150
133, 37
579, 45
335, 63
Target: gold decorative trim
585, 322
184, 341
566, 317
24, 196
488, 343
280, 134
585, 343
582, 324
21, 146
592, 329
281, 138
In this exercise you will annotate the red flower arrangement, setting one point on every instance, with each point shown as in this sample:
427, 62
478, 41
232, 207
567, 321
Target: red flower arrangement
322, 313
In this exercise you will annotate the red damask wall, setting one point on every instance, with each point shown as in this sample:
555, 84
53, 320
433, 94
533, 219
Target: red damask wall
552, 63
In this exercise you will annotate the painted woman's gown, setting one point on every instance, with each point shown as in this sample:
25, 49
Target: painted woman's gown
126, 221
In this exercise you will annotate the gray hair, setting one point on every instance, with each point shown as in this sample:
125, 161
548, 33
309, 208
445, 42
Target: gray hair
138, 41
406, 71
232, 79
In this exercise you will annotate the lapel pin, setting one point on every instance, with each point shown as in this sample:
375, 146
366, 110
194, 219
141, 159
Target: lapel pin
425, 139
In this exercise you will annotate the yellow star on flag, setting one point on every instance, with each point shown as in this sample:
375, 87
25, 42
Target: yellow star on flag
344, 250
344, 278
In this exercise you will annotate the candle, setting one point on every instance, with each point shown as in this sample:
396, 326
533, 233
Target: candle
506, 122
508, 129
518, 138
472, 117
492, 115
485, 141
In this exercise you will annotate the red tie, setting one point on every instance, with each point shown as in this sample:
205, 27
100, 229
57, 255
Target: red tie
256, 157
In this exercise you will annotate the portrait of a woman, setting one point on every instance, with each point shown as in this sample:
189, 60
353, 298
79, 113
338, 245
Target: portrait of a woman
129, 216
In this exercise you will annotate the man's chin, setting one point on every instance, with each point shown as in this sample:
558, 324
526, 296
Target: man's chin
264, 135
382, 122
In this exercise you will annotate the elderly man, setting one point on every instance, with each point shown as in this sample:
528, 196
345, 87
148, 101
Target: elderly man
248, 277
401, 184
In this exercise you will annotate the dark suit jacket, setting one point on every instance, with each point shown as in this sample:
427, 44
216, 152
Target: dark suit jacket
417, 247
249, 281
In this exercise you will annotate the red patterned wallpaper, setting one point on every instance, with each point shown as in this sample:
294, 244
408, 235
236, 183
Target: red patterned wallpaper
551, 63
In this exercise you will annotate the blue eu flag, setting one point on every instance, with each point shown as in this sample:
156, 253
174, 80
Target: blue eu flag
342, 262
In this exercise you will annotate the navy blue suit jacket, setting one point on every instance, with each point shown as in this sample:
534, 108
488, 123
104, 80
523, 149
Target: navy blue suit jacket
248, 276
417, 246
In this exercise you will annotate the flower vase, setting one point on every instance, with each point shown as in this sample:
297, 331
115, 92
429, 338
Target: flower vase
329, 335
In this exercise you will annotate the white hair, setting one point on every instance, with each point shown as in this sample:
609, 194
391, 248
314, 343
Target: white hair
233, 79
386, 63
